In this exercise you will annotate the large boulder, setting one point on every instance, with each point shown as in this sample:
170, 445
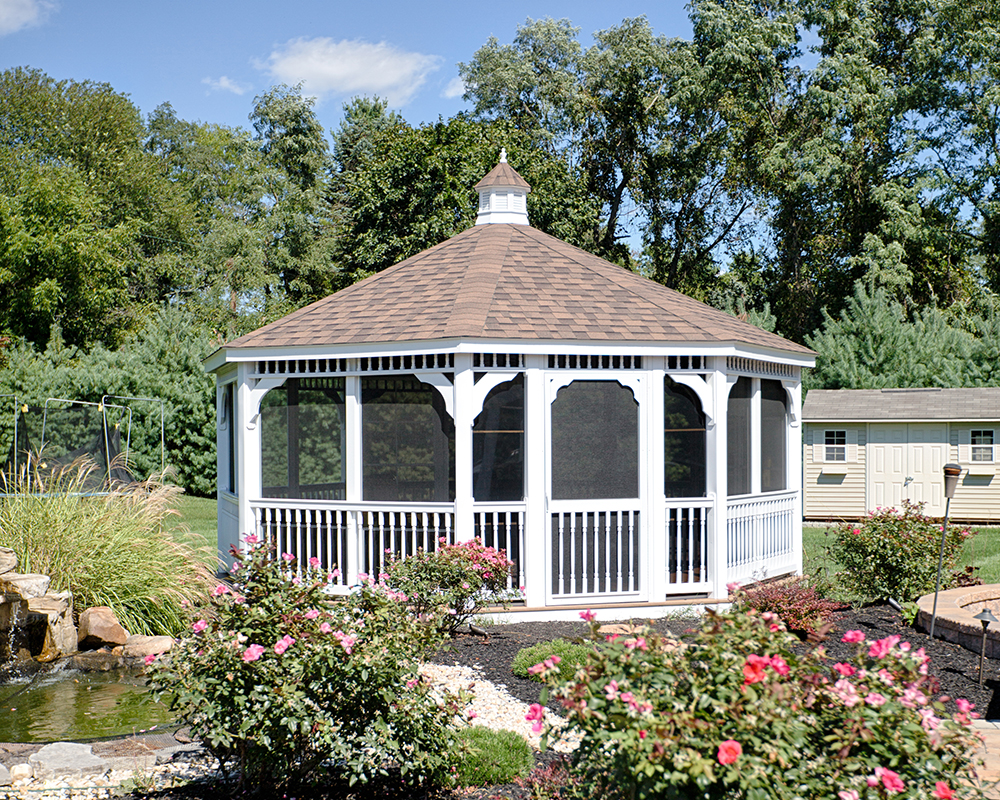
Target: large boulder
8, 560
27, 586
139, 646
99, 627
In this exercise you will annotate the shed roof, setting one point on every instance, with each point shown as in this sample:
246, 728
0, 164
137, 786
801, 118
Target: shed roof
510, 282
901, 405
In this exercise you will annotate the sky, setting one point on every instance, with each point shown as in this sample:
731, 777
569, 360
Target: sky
209, 59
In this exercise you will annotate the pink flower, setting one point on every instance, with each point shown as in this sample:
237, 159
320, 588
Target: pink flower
411, 683
314, 562
611, 690
536, 714
587, 615
928, 720
253, 652
252, 538
471, 714
942, 791
964, 705
733, 587
845, 690
874, 699
642, 734
847, 794
289, 557
235, 567
779, 665
325, 627
312, 613
149, 659
753, 669
638, 643
335, 573
882, 647
853, 637
845, 669
283, 644
199, 626
220, 590
729, 751
347, 641
890, 780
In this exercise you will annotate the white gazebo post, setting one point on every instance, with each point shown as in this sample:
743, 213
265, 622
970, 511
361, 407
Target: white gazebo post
793, 457
718, 475
465, 417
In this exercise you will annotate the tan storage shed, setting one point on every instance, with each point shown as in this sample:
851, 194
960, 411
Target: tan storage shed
870, 448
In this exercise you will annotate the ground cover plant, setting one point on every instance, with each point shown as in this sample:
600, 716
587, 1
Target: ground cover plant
286, 685
453, 582
568, 656
893, 554
741, 709
799, 605
493, 757
108, 550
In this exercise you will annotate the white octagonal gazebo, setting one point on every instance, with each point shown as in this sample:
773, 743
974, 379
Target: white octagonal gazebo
625, 444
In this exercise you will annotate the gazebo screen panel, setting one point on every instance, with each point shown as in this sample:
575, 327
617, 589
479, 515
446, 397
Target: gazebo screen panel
738, 435
302, 439
595, 441
498, 445
773, 425
683, 442
408, 442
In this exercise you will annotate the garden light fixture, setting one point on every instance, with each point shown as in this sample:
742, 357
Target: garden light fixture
951, 473
986, 618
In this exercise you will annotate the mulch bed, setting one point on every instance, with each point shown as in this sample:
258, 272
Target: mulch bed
955, 668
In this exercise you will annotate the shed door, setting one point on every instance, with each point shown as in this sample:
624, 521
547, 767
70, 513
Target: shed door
906, 461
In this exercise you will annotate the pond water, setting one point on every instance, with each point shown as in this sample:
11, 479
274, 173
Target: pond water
67, 705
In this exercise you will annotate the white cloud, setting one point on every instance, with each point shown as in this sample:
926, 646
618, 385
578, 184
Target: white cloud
18, 14
224, 84
350, 67
455, 88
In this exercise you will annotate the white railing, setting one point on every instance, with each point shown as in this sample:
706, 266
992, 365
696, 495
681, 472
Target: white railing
501, 525
595, 551
355, 538
687, 530
760, 538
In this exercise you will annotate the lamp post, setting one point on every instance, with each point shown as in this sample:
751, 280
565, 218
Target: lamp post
951, 473
985, 617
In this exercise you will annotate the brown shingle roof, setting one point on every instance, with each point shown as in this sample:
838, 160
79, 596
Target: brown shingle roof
507, 281
503, 174
900, 405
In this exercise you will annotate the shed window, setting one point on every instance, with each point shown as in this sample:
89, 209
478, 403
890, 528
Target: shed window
408, 442
835, 445
302, 434
498, 445
683, 442
595, 441
773, 412
738, 436
982, 445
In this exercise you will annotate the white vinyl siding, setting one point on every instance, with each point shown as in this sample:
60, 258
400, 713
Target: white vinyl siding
834, 489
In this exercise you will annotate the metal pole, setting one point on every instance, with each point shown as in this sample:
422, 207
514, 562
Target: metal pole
937, 585
982, 653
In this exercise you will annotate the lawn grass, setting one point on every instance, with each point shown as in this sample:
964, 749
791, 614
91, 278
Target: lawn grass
197, 517
981, 550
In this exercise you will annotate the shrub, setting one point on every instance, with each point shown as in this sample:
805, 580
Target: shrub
279, 679
894, 554
798, 605
107, 550
741, 711
493, 757
571, 656
453, 583
551, 781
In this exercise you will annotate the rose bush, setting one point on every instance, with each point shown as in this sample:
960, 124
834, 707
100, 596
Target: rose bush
280, 681
453, 583
894, 554
742, 710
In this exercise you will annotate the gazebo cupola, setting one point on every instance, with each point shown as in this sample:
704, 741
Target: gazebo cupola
503, 196
624, 443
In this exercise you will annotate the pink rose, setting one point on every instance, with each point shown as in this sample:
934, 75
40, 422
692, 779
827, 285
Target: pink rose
314, 562
779, 665
942, 791
845, 669
312, 613
883, 647
847, 794
753, 669
325, 627
536, 714
853, 637
587, 615
253, 652
199, 626
890, 780
149, 659
289, 557
729, 751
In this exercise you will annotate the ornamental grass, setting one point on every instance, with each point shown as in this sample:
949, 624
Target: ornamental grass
107, 549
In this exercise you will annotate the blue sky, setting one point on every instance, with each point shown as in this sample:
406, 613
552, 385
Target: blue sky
209, 59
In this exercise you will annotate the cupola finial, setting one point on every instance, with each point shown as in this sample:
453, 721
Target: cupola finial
503, 195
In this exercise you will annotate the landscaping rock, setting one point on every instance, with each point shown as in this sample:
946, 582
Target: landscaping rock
60, 635
5, 779
99, 627
66, 758
96, 661
8, 560
139, 646
20, 772
27, 586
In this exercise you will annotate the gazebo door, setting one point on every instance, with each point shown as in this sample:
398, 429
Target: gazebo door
596, 544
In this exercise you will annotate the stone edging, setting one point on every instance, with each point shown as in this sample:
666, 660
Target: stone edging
955, 622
